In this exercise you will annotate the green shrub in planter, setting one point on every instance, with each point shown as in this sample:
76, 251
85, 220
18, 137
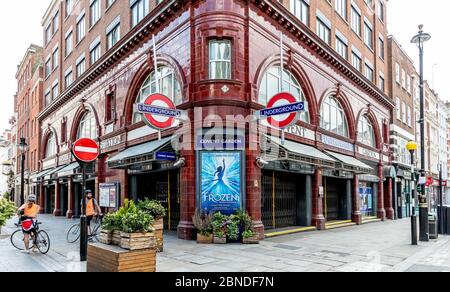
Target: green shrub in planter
154, 208
203, 223
137, 222
111, 223
233, 228
248, 234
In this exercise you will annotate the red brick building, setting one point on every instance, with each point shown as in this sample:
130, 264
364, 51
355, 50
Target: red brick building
217, 58
28, 105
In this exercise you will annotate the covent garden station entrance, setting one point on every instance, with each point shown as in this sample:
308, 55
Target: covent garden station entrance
288, 180
153, 173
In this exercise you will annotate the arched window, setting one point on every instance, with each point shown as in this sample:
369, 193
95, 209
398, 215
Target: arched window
332, 117
169, 86
270, 86
50, 148
366, 134
88, 126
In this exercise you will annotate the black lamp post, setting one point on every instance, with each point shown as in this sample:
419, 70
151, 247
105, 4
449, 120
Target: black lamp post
23, 148
412, 148
420, 40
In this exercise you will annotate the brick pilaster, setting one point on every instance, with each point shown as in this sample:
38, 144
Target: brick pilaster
318, 217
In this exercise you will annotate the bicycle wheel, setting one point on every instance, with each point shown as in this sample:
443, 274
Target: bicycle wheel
17, 240
43, 242
73, 234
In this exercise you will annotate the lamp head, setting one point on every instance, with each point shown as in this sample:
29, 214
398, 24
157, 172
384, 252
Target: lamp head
421, 37
411, 146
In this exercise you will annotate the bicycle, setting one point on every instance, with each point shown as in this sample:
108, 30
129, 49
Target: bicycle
42, 242
73, 235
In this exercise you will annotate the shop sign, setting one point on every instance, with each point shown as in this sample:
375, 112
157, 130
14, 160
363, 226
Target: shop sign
369, 153
165, 156
49, 163
65, 158
109, 195
218, 143
111, 142
301, 132
221, 181
330, 141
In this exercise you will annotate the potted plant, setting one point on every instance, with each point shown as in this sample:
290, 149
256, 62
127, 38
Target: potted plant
158, 212
233, 228
203, 223
249, 236
137, 231
219, 226
109, 225
7, 211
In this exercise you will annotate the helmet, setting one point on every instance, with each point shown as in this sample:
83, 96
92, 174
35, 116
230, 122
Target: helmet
32, 198
88, 192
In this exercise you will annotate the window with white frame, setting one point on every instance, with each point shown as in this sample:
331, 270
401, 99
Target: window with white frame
50, 148
397, 73
368, 35
341, 47
139, 9
323, 31
95, 12
398, 109
272, 84
332, 117
113, 36
88, 126
341, 8
366, 133
81, 28
169, 86
300, 8
220, 59
356, 20
404, 112
69, 7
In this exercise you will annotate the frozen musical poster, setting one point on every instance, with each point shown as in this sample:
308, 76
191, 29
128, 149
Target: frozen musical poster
221, 181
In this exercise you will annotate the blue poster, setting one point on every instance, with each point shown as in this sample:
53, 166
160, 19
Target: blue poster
221, 181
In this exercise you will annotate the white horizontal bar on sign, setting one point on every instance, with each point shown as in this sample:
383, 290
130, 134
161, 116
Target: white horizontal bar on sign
86, 149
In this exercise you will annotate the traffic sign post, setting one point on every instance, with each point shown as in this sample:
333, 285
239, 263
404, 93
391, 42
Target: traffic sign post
85, 151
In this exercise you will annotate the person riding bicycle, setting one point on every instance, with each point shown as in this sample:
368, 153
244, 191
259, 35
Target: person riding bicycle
28, 217
92, 209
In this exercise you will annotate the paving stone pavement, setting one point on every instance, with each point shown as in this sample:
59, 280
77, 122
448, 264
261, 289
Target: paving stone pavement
376, 247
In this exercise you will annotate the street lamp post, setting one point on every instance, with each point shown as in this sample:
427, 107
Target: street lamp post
420, 40
412, 148
22, 147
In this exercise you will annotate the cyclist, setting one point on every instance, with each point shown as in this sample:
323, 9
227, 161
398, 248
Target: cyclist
92, 209
28, 217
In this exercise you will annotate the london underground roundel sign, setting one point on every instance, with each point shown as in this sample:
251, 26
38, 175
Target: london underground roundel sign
159, 111
282, 110
86, 150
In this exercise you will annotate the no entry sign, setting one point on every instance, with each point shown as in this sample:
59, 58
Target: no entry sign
86, 150
159, 111
282, 110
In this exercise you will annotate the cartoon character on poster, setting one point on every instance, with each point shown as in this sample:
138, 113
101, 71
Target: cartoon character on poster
221, 189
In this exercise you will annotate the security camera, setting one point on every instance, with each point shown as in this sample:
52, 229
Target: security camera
260, 162
180, 163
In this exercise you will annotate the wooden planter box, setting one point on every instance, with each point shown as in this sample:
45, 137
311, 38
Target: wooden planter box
251, 240
137, 241
159, 234
220, 240
106, 237
116, 239
112, 259
204, 239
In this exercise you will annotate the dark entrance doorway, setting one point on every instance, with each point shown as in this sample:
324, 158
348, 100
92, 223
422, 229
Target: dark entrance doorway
337, 199
162, 186
49, 199
286, 199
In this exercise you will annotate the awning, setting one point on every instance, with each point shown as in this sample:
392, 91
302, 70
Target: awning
143, 153
389, 172
351, 163
68, 170
36, 178
294, 151
49, 175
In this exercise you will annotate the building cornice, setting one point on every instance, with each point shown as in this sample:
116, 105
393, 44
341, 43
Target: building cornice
288, 21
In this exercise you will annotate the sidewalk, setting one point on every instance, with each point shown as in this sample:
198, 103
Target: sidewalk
383, 246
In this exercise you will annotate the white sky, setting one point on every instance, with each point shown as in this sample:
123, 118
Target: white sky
18, 31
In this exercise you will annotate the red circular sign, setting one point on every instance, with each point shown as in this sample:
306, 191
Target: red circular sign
282, 121
162, 101
86, 150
